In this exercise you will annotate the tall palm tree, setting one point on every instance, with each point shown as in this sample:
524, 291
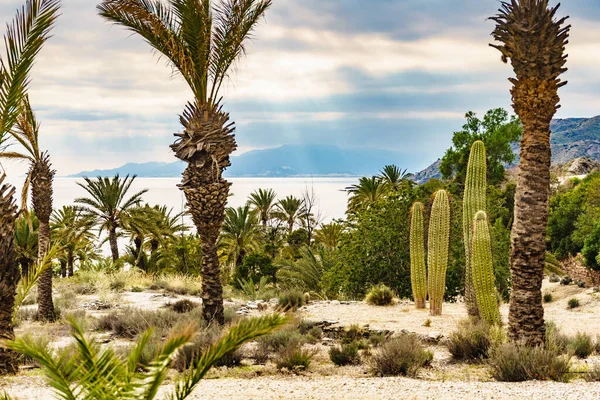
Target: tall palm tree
263, 200
202, 39
330, 235
109, 204
24, 39
26, 241
39, 180
71, 229
365, 193
240, 233
288, 211
139, 223
534, 41
393, 177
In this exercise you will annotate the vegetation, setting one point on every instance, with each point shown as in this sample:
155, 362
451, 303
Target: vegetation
437, 255
404, 355
380, 295
518, 363
345, 354
418, 272
472, 341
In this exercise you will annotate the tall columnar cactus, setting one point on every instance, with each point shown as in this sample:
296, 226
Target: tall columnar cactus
483, 270
437, 251
418, 274
474, 201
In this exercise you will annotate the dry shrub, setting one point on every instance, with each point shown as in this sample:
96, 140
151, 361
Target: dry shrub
380, 295
294, 357
346, 354
183, 306
291, 300
471, 341
403, 355
517, 363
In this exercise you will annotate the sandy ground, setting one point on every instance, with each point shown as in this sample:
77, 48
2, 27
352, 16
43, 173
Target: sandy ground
446, 381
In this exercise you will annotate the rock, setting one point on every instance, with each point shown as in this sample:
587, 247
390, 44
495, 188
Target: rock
582, 166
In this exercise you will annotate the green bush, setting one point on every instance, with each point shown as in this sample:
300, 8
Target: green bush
183, 306
129, 323
291, 300
593, 374
573, 303
204, 339
516, 363
254, 267
548, 298
380, 295
403, 355
582, 345
346, 354
471, 341
566, 280
294, 358
280, 339
136, 289
555, 340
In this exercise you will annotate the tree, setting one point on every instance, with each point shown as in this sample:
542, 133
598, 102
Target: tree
26, 241
330, 235
393, 177
71, 229
202, 39
288, 211
240, 233
24, 38
263, 201
109, 204
534, 41
497, 131
365, 193
306, 273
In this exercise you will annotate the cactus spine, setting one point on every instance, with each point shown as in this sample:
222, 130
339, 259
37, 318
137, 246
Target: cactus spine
483, 270
437, 251
418, 274
474, 201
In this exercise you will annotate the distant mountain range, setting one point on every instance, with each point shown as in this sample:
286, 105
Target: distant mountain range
571, 138
284, 161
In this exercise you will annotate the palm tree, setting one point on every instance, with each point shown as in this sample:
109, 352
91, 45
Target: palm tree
24, 38
109, 204
26, 241
202, 39
393, 177
289, 210
263, 200
240, 233
330, 235
306, 273
71, 229
140, 222
365, 193
534, 41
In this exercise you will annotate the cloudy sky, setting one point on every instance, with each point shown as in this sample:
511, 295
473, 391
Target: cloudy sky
393, 74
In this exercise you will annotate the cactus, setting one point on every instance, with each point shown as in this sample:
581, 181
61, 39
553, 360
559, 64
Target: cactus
483, 270
418, 274
474, 201
437, 251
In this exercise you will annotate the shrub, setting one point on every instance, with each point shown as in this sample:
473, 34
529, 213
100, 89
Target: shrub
280, 339
554, 278
316, 333
593, 374
377, 339
136, 289
353, 333
555, 340
380, 295
294, 358
291, 300
427, 323
566, 280
582, 345
129, 323
548, 298
517, 363
199, 344
403, 355
346, 354
471, 341
581, 284
573, 303
183, 306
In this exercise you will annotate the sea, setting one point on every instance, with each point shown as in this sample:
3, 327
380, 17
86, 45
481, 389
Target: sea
331, 199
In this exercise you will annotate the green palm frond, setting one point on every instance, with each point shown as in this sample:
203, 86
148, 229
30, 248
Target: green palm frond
28, 282
24, 39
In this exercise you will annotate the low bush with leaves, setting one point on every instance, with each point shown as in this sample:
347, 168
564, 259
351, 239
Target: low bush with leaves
573, 303
517, 363
291, 300
471, 341
548, 298
566, 280
129, 323
581, 345
380, 295
346, 354
98, 372
294, 357
403, 355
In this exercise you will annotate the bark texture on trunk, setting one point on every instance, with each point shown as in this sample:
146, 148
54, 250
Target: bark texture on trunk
41, 195
9, 276
26, 264
63, 268
70, 262
114, 245
206, 144
534, 41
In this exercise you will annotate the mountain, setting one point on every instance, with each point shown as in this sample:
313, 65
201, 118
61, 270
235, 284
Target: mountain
284, 161
571, 138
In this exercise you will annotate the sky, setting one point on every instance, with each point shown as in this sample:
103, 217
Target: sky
389, 74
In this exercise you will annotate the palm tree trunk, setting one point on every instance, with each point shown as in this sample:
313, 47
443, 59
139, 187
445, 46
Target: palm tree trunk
41, 195
63, 268
114, 246
70, 262
9, 276
25, 263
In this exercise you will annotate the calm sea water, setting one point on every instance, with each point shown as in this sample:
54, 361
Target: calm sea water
331, 199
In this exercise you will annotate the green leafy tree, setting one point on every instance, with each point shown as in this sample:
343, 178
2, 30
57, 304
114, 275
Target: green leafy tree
202, 40
306, 273
71, 230
240, 234
263, 201
330, 235
497, 131
591, 249
26, 241
368, 191
289, 211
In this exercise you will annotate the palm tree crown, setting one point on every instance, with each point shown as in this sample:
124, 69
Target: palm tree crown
240, 233
289, 210
263, 201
